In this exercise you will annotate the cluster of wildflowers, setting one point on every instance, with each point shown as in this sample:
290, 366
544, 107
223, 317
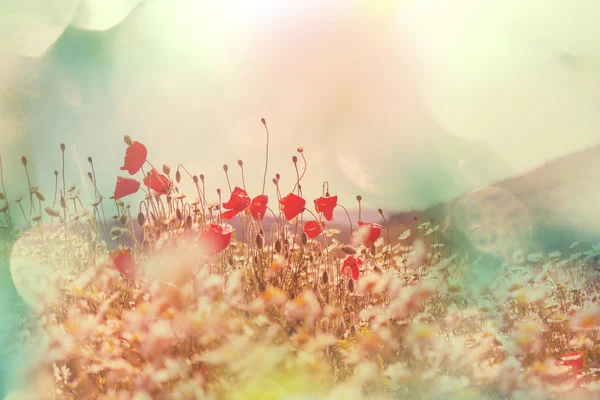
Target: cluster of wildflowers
196, 309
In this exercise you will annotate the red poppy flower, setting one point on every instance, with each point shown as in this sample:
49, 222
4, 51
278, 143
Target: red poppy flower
313, 228
573, 359
374, 232
351, 266
258, 207
292, 205
125, 187
237, 203
215, 239
157, 182
124, 263
135, 157
326, 205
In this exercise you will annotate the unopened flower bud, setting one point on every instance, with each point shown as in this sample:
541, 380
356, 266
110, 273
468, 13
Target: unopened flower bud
325, 278
275, 181
264, 122
358, 198
348, 249
300, 149
277, 176
240, 163
294, 159
351, 285
278, 245
304, 238
63, 202
219, 192
62, 147
225, 167
179, 214
39, 196
141, 219
202, 177
123, 219
24, 160
260, 241
128, 140
195, 179
55, 173
90, 160
166, 169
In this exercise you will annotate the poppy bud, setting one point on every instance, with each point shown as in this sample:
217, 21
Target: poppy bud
377, 270
24, 160
358, 198
300, 149
277, 176
62, 147
260, 241
225, 167
177, 176
380, 211
240, 163
219, 192
275, 181
55, 173
202, 177
230, 260
90, 160
128, 140
294, 159
123, 219
278, 245
264, 122
351, 285
373, 250
325, 278
40, 196
188, 222
195, 179
141, 219
166, 169
304, 238
179, 215
63, 202
348, 249
89, 174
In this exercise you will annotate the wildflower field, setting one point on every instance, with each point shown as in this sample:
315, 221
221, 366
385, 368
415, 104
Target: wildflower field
191, 308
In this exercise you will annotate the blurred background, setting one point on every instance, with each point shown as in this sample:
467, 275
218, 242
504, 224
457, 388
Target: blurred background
473, 113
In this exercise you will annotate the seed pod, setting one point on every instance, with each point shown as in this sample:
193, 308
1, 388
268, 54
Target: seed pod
294, 159
90, 160
24, 160
166, 169
141, 219
260, 241
63, 202
348, 249
225, 167
325, 278
278, 245
240, 163
62, 147
377, 270
52, 212
128, 140
373, 250
263, 121
202, 177
178, 176
351, 285
304, 238
277, 176
275, 181
195, 179
40, 196
300, 149
179, 215
123, 219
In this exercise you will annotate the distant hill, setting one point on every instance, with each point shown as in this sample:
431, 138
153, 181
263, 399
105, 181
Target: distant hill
546, 209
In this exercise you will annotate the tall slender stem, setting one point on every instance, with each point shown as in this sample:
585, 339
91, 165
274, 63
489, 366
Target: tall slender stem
267, 156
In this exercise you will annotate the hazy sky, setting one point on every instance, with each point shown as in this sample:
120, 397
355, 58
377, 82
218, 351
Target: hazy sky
405, 102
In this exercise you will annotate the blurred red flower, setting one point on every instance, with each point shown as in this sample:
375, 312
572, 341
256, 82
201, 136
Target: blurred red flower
351, 266
124, 263
157, 182
573, 359
215, 239
313, 228
135, 157
237, 203
326, 205
125, 187
374, 232
258, 207
292, 205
